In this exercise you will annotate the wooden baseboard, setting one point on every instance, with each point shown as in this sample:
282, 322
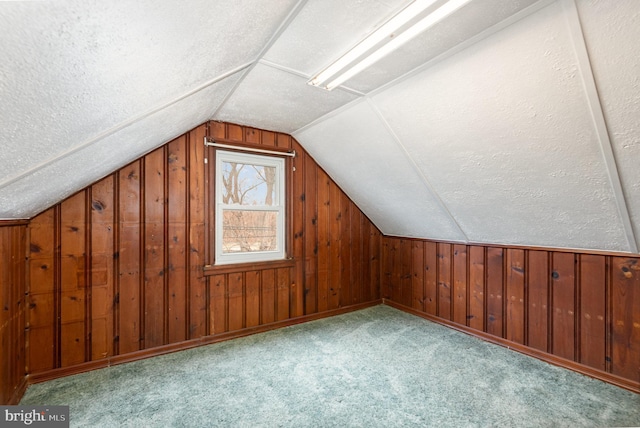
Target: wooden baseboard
166, 349
549, 358
18, 392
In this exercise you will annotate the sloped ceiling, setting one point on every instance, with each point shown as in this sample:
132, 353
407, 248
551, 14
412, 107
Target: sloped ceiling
511, 122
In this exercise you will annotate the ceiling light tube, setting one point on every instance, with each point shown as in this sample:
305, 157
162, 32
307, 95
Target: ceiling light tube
422, 25
386, 30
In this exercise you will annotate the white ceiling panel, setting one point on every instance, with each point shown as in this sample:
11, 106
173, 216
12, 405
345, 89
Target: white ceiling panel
514, 163
612, 32
72, 69
270, 98
325, 29
362, 156
469, 21
48, 185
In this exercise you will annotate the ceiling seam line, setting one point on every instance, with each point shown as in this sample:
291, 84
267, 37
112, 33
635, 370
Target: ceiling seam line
598, 119
274, 37
304, 76
329, 115
117, 128
415, 167
530, 10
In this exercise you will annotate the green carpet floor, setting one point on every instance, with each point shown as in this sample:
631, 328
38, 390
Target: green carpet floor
378, 367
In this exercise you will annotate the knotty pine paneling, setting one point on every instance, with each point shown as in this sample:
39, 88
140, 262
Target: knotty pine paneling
13, 240
123, 265
582, 308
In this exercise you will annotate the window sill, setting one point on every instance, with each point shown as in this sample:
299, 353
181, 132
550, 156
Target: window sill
245, 267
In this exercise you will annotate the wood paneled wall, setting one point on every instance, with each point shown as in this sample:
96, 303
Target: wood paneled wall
122, 266
12, 310
578, 310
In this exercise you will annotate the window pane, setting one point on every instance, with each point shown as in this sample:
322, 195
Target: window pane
247, 184
249, 231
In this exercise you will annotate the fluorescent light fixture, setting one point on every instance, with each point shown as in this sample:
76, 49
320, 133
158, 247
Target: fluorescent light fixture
387, 30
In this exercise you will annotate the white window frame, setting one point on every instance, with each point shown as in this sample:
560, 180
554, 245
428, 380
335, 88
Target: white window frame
222, 258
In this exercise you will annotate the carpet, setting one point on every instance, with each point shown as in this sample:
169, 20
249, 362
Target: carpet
377, 367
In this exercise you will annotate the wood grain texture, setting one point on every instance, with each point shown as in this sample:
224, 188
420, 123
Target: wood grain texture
515, 296
123, 266
625, 317
13, 287
579, 310
563, 298
444, 280
477, 283
538, 315
494, 269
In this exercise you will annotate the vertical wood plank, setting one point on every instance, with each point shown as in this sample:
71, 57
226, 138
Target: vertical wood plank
444, 281
345, 250
282, 290
197, 287
13, 288
102, 267
252, 305
563, 294
268, 297
515, 296
388, 254
405, 272
477, 287
538, 275
298, 222
177, 242
42, 318
494, 294
417, 275
235, 132
356, 257
459, 291
335, 221
367, 294
154, 248
268, 138
128, 294
626, 317
395, 267
287, 142
374, 265
311, 236
219, 304
236, 301
324, 240
431, 278
593, 300
72, 295
252, 135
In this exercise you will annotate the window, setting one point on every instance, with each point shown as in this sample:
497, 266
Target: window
250, 208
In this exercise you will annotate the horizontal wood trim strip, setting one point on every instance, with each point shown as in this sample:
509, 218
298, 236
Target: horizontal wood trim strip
188, 344
247, 267
14, 222
522, 247
549, 358
236, 145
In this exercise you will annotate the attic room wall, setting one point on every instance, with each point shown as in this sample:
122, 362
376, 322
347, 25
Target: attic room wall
578, 310
13, 238
117, 270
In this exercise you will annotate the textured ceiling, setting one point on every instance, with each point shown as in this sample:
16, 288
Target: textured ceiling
512, 121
